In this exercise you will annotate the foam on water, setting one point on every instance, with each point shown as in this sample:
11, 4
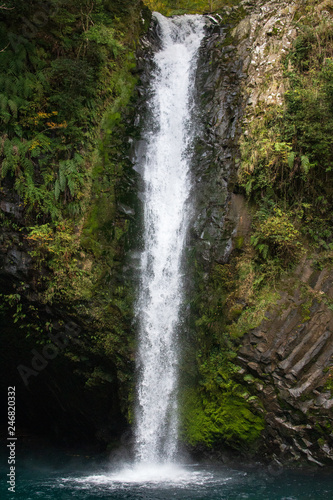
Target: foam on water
151, 476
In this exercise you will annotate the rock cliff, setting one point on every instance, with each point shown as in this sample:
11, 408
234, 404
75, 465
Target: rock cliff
284, 353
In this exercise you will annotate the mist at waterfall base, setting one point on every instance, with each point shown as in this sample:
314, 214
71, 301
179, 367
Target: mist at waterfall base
60, 477
155, 472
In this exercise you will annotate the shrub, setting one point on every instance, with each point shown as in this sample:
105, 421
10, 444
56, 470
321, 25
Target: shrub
277, 237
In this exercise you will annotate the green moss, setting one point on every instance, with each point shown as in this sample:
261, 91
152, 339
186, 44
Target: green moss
228, 419
329, 381
239, 242
196, 425
218, 405
252, 317
234, 313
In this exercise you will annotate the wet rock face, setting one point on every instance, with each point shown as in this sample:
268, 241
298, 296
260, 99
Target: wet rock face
263, 38
239, 68
216, 149
15, 260
289, 354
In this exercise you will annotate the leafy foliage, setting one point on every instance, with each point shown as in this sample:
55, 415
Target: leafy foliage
55, 83
173, 7
287, 155
277, 236
66, 84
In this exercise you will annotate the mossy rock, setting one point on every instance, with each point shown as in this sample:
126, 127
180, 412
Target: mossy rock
228, 419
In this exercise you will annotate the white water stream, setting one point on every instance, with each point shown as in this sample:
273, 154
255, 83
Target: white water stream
166, 213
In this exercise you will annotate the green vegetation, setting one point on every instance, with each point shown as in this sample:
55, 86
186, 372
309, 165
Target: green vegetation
225, 419
174, 7
220, 406
56, 82
277, 237
287, 153
66, 99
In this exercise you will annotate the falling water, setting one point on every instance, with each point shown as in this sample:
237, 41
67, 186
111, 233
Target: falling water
166, 214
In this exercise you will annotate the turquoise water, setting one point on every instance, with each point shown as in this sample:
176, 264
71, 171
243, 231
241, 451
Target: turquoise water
80, 478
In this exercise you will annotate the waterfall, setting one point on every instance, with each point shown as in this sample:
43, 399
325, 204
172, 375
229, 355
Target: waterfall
167, 181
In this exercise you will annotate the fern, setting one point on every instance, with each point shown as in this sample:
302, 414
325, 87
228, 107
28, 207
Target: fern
13, 107
306, 165
56, 189
62, 179
6, 167
103, 35
3, 102
254, 240
263, 249
291, 158
71, 186
27, 88
248, 186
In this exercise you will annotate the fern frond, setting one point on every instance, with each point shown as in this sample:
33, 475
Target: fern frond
13, 107
291, 158
3, 102
71, 185
56, 189
62, 179
305, 162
